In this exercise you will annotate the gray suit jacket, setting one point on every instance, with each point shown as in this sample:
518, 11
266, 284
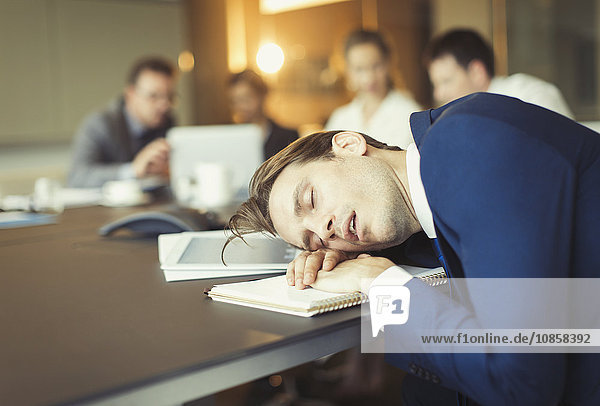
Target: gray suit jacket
103, 144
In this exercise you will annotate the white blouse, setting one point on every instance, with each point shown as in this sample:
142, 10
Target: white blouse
389, 124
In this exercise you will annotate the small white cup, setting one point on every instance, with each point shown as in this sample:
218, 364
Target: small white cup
213, 185
46, 196
183, 190
123, 193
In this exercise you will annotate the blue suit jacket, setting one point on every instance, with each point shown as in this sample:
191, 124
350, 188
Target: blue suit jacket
514, 191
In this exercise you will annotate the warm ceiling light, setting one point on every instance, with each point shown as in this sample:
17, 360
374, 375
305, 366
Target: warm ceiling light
278, 6
269, 58
185, 61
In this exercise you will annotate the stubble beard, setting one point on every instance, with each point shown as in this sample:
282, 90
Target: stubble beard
394, 223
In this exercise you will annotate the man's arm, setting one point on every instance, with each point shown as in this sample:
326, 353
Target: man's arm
505, 201
89, 167
94, 148
153, 159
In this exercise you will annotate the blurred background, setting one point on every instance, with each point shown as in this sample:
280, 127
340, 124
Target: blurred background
61, 59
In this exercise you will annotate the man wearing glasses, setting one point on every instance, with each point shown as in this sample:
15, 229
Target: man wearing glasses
127, 139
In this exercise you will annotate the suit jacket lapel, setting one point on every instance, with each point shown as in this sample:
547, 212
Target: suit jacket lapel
125, 139
419, 124
422, 120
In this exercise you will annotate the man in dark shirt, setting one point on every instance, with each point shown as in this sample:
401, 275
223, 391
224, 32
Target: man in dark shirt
247, 93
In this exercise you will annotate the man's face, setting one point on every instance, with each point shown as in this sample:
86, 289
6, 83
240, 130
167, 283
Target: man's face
367, 69
352, 203
450, 80
246, 104
151, 98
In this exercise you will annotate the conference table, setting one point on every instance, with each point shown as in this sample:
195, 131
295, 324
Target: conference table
88, 319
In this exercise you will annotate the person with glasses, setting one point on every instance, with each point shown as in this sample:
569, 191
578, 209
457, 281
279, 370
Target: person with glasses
126, 140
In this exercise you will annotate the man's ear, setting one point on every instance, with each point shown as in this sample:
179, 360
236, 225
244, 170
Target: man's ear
478, 74
129, 91
348, 143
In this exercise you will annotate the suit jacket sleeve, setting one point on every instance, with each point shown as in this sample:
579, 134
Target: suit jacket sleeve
95, 156
507, 200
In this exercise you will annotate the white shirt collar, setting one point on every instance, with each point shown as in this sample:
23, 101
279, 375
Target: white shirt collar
136, 128
417, 191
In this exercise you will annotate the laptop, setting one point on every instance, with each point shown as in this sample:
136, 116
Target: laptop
238, 146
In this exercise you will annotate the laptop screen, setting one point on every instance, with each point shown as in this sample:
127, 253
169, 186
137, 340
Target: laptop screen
238, 146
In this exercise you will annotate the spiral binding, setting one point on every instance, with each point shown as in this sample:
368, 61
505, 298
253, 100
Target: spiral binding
435, 279
349, 300
356, 298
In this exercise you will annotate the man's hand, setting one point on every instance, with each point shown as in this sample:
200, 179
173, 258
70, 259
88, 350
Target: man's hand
352, 275
153, 159
302, 271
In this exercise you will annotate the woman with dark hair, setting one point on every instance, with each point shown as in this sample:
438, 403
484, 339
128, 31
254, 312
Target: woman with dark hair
378, 108
247, 93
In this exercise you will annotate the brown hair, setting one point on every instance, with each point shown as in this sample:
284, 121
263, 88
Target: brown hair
465, 45
253, 215
360, 37
252, 78
152, 63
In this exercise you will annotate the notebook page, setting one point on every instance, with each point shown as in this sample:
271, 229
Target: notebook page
274, 290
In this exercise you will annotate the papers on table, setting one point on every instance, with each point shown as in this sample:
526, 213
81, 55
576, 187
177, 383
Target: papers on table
15, 219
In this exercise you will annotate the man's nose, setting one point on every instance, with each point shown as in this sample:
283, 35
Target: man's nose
370, 75
323, 226
164, 107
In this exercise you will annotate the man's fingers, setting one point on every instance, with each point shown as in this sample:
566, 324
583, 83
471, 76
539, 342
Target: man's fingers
332, 258
159, 144
152, 159
299, 264
332, 282
303, 270
289, 274
313, 264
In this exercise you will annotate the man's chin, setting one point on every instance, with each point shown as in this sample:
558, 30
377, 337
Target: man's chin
376, 246
156, 123
388, 244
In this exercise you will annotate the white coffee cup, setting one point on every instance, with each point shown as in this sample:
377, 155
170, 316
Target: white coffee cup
46, 196
183, 189
213, 185
123, 193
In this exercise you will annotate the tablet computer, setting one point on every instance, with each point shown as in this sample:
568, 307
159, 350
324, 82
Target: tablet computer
198, 254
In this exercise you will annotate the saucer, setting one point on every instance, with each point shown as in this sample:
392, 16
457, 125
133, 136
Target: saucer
138, 201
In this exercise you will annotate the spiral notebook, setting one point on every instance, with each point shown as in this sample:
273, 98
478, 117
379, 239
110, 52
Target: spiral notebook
274, 294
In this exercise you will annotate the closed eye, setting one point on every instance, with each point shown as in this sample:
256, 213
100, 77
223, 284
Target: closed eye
319, 242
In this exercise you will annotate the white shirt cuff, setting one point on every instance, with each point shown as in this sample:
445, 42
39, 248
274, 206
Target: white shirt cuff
393, 276
126, 172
